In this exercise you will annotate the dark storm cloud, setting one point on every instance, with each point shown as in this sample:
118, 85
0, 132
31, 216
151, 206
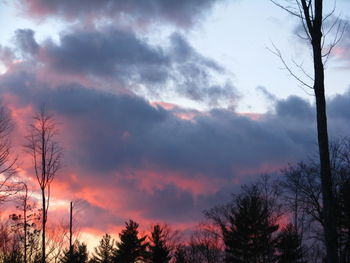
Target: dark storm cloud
164, 203
295, 108
124, 131
121, 56
180, 12
339, 108
112, 133
115, 53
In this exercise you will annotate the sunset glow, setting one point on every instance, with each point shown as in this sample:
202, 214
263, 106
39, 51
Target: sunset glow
164, 109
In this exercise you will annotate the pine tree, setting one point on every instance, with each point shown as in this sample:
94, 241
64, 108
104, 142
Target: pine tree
79, 254
289, 246
159, 251
104, 252
131, 248
248, 235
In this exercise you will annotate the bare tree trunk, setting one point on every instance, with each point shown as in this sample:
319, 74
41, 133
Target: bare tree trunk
47, 159
43, 241
311, 14
25, 222
329, 223
71, 231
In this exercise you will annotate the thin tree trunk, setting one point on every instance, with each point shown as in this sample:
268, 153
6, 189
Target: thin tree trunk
71, 231
25, 223
329, 223
43, 248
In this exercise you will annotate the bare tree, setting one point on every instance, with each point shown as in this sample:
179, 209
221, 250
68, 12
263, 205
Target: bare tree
7, 160
46, 155
312, 17
21, 221
206, 245
301, 186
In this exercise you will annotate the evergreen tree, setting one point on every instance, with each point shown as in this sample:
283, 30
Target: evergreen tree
159, 251
131, 248
79, 254
248, 234
104, 252
289, 246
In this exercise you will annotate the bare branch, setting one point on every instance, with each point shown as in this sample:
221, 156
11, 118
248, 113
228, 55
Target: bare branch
278, 53
47, 159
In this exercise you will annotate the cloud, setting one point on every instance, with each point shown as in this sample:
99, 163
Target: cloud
125, 59
180, 12
26, 42
129, 132
129, 158
112, 52
268, 95
342, 49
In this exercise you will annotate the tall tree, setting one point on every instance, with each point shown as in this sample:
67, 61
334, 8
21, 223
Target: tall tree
311, 13
131, 247
46, 155
104, 252
247, 227
289, 246
159, 251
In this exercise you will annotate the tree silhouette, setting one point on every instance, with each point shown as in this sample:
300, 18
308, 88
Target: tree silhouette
7, 161
313, 20
247, 226
180, 255
47, 160
289, 246
10, 244
206, 245
301, 186
159, 252
343, 224
104, 252
131, 248
78, 254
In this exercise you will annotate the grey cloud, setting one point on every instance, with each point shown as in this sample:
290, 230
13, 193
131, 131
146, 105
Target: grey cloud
124, 131
123, 57
113, 52
296, 108
111, 132
180, 12
268, 95
26, 42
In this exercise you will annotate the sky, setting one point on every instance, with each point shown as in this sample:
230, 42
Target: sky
164, 107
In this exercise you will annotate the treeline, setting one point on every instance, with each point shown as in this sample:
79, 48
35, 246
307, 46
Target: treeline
276, 219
